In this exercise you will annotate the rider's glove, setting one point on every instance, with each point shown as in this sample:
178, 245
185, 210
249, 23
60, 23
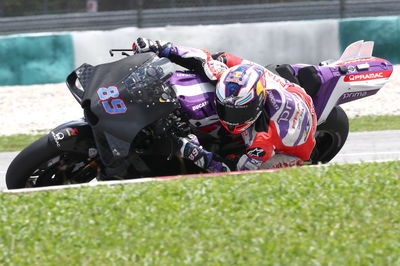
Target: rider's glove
193, 139
217, 167
190, 150
143, 45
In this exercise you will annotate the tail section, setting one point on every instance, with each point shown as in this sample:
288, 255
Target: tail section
356, 50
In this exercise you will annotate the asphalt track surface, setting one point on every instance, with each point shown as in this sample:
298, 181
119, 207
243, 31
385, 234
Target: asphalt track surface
373, 146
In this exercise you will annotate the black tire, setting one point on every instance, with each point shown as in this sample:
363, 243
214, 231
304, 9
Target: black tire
331, 136
37, 165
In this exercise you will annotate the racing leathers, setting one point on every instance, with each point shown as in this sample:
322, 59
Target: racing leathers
283, 136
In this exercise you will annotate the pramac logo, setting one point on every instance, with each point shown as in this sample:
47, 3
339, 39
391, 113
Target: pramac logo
368, 76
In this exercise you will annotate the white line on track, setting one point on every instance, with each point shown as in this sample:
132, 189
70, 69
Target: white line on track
369, 153
156, 179
131, 181
382, 146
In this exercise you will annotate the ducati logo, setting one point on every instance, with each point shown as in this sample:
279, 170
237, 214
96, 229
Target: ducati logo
199, 106
256, 152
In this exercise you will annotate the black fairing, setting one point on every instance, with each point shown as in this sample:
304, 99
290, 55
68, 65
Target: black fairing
74, 136
140, 81
310, 80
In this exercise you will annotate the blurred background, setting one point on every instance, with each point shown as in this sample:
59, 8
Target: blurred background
21, 16
42, 41
63, 34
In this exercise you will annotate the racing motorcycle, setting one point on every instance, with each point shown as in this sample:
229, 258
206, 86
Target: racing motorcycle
136, 108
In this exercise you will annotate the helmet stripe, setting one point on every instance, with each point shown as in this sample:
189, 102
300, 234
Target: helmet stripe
248, 98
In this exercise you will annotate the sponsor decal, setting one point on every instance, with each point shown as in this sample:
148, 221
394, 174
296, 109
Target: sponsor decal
231, 100
290, 163
72, 131
256, 152
367, 76
350, 96
299, 115
238, 76
181, 74
217, 68
282, 82
285, 115
67, 132
295, 118
354, 95
272, 100
57, 137
200, 105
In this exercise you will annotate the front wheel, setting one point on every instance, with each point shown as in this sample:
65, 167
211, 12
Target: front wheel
330, 136
42, 164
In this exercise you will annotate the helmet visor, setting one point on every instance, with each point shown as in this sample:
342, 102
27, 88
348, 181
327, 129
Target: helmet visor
238, 114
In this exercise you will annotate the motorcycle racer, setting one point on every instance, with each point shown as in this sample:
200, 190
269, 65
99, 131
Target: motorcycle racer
275, 118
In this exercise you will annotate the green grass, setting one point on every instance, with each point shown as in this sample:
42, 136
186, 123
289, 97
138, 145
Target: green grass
363, 123
17, 142
337, 215
373, 123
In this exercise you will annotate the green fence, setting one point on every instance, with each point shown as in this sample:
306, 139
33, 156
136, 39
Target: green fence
384, 31
35, 59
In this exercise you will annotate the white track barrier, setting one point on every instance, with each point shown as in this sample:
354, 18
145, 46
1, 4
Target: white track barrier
264, 43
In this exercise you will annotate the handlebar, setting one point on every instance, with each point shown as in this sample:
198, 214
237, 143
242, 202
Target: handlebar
123, 51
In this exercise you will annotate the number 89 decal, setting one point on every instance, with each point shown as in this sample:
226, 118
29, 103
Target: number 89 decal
116, 105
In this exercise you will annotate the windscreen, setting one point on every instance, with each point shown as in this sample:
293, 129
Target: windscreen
123, 97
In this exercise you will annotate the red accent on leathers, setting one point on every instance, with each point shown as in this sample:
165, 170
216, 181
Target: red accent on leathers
208, 128
267, 140
230, 59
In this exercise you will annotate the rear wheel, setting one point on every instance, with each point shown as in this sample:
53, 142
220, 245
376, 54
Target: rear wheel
331, 136
42, 164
